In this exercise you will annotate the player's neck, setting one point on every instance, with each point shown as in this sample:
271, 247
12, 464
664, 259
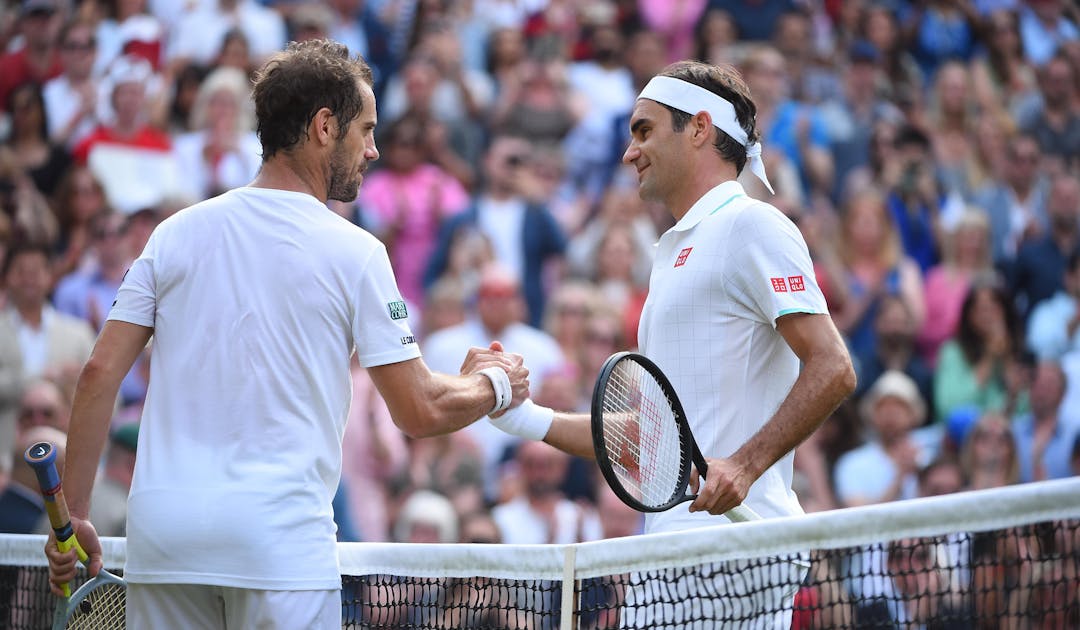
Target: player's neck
293, 173
700, 180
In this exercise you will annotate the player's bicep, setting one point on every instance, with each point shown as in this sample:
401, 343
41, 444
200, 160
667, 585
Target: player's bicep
811, 335
119, 344
380, 317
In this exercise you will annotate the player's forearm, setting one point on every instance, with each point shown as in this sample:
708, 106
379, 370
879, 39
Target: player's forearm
572, 433
91, 414
450, 403
825, 381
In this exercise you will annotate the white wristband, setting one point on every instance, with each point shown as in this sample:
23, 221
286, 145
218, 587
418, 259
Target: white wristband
527, 420
500, 382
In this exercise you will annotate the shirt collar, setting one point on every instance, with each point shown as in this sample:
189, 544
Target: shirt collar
716, 198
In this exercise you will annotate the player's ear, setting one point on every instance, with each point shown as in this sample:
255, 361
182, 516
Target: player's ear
323, 127
701, 128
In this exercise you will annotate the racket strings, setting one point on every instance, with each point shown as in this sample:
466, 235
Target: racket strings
102, 609
642, 435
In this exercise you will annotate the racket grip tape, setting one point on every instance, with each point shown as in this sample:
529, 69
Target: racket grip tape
41, 457
741, 514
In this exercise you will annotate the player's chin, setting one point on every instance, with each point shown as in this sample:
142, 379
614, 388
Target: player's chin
346, 193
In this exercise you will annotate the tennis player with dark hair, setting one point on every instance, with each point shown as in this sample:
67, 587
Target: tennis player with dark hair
256, 300
733, 309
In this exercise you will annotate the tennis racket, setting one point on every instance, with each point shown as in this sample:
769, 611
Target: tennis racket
99, 603
642, 439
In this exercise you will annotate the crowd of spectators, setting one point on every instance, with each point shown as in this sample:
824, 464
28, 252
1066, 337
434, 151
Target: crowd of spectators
929, 151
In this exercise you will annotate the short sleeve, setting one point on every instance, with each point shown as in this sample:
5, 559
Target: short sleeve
380, 323
136, 300
770, 272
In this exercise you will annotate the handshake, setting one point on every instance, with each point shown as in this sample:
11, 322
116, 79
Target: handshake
513, 412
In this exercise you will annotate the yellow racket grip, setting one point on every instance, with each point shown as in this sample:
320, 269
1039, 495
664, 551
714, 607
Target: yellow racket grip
66, 545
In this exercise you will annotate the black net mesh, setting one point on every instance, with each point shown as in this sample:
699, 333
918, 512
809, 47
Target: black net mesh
1021, 577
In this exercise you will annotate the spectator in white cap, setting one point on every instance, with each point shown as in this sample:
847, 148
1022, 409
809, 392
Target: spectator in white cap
884, 468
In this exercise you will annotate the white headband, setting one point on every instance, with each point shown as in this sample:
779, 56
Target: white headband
689, 98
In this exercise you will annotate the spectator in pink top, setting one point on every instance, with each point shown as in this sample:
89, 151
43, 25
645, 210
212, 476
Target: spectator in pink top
406, 203
675, 20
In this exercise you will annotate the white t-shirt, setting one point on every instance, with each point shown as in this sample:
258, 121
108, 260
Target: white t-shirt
721, 277
257, 299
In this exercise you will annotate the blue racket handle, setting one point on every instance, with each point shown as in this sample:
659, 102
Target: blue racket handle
42, 458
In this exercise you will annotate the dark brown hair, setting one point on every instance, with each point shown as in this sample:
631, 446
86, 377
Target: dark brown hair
299, 81
726, 82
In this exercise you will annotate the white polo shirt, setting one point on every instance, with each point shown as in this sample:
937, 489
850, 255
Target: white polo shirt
721, 277
257, 299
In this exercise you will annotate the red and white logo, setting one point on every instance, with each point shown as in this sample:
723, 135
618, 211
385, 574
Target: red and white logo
779, 285
796, 283
683, 255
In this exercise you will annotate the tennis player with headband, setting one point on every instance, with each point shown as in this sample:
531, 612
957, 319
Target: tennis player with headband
733, 310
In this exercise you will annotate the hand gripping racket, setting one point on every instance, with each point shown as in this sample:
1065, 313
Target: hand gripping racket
99, 603
642, 439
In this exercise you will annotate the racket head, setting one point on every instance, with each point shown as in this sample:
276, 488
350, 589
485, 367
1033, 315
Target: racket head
99, 604
641, 438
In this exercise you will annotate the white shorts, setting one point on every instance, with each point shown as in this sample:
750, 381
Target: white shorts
735, 594
199, 607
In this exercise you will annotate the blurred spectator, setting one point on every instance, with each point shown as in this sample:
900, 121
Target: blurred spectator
88, 292
914, 196
951, 123
41, 160
1056, 125
176, 118
201, 33
620, 206
541, 514
22, 509
1044, 440
883, 469
869, 265
904, 81
715, 37
989, 454
71, 98
536, 103
507, 54
617, 519
524, 234
810, 80
609, 92
675, 22
445, 305
222, 152
79, 203
795, 129
235, 52
1002, 77
941, 476
43, 404
374, 451
426, 517
567, 315
965, 256
894, 349
940, 30
1039, 270
619, 256
38, 58
130, 158
1044, 27
356, 25
853, 116
47, 340
478, 528
113, 482
1052, 327
407, 201
1016, 204
971, 366
25, 210
754, 19
500, 313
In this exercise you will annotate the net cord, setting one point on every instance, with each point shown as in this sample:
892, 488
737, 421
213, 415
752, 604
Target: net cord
982, 510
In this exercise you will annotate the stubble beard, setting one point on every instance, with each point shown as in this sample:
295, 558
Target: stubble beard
344, 183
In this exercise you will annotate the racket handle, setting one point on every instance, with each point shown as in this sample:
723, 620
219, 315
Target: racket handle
41, 456
741, 514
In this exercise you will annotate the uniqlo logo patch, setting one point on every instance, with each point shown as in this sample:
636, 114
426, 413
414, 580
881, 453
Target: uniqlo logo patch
779, 285
796, 283
683, 255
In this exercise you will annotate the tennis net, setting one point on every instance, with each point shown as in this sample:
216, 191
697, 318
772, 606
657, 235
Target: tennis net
1003, 558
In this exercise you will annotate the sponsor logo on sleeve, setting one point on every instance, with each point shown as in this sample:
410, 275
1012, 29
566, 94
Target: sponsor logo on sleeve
779, 285
407, 340
397, 309
796, 283
683, 255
